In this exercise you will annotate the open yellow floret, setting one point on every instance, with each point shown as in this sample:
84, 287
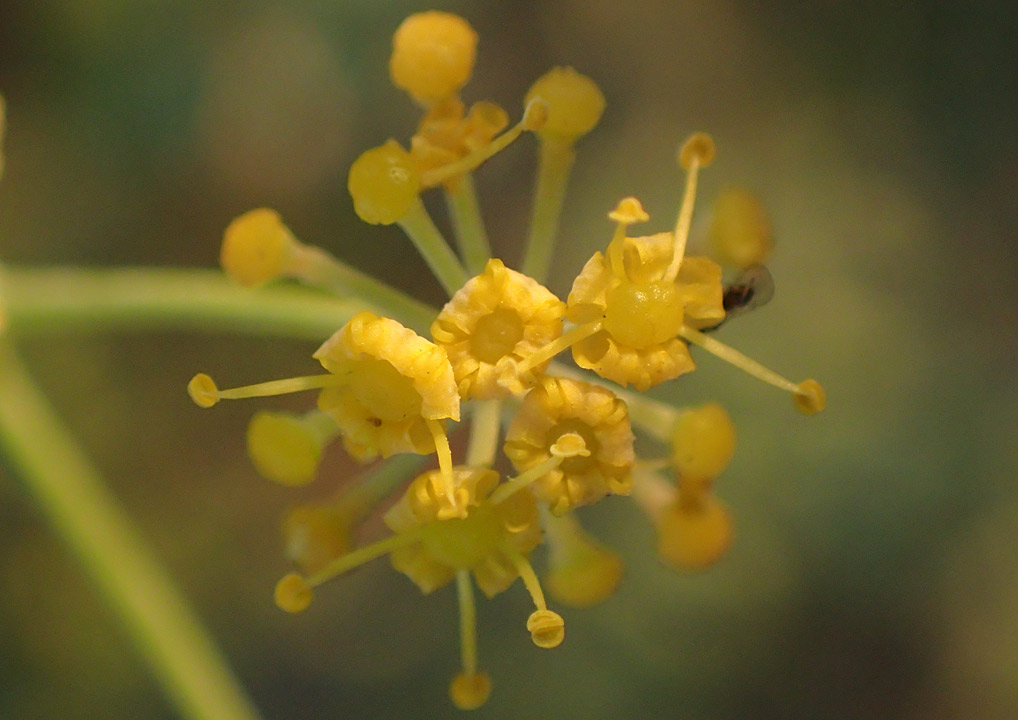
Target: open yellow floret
560, 406
493, 323
476, 542
641, 314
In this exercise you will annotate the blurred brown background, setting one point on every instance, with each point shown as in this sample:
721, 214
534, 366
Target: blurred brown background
874, 572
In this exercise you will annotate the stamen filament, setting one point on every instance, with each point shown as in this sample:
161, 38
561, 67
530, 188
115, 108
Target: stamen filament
554, 165
526, 571
445, 463
363, 555
484, 433
314, 266
467, 224
652, 493
736, 358
418, 226
684, 221
566, 340
505, 490
616, 249
204, 392
468, 621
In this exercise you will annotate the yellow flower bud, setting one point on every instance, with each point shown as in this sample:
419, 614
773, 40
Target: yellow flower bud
257, 247
703, 442
432, 55
384, 184
575, 103
740, 233
693, 534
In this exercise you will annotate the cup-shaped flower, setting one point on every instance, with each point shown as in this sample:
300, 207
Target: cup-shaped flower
491, 325
390, 383
560, 406
483, 542
641, 312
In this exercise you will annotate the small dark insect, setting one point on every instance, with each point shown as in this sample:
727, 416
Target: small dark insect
753, 288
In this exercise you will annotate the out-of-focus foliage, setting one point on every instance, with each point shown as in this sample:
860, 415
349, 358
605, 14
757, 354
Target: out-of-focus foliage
871, 573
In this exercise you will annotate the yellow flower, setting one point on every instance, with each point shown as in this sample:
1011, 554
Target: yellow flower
642, 314
387, 390
560, 406
390, 383
494, 322
476, 542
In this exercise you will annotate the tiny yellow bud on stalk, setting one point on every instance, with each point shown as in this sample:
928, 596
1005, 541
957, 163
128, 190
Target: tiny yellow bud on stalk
432, 55
384, 184
257, 247
703, 442
284, 448
575, 103
740, 232
693, 535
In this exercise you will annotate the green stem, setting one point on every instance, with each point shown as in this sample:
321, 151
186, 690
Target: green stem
554, 163
88, 518
468, 224
62, 299
485, 427
433, 248
318, 268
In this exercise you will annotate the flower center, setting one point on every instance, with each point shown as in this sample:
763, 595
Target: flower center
496, 335
643, 314
386, 394
578, 464
462, 543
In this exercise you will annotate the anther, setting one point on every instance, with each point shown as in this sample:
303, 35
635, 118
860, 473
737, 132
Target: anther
547, 628
293, 594
629, 211
698, 148
810, 397
203, 390
470, 691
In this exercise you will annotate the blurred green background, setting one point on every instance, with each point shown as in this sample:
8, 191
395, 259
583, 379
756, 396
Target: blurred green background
874, 572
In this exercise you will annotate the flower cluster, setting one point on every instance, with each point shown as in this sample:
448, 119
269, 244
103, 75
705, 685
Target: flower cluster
488, 360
